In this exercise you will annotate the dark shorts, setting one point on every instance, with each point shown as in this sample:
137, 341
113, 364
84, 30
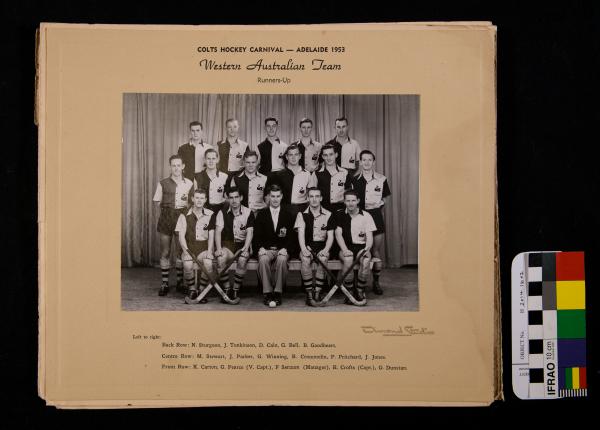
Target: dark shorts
168, 220
233, 246
356, 248
197, 247
316, 247
377, 215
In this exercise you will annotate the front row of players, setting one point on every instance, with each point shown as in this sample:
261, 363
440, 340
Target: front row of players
214, 239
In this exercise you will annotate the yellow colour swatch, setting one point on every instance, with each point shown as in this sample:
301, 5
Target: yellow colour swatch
570, 294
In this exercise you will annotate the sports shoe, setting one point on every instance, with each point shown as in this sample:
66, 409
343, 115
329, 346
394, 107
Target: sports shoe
377, 288
228, 294
164, 289
317, 295
360, 294
193, 294
267, 299
233, 295
277, 298
309, 296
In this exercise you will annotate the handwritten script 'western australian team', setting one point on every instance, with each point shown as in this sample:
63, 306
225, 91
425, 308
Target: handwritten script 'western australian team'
262, 65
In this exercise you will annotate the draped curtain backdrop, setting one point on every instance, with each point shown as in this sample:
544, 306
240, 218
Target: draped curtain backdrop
154, 125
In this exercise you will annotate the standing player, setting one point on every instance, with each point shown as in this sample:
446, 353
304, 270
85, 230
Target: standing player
212, 180
332, 180
348, 150
250, 183
234, 231
372, 188
232, 149
274, 227
310, 150
196, 234
192, 152
354, 232
173, 194
315, 228
293, 180
270, 150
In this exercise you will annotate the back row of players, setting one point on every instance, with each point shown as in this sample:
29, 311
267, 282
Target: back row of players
257, 201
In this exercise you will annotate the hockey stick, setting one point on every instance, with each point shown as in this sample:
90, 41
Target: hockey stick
212, 281
340, 281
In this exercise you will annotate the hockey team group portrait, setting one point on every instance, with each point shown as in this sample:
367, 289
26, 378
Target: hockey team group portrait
270, 202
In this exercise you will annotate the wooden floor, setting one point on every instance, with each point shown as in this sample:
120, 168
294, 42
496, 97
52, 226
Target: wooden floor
139, 292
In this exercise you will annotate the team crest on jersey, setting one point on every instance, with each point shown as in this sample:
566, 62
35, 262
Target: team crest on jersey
220, 189
351, 160
242, 227
281, 155
184, 197
206, 226
238, 155
324, 227
314, 157
301, 190
377, 188
340, 183
260, 188
282, 232
361, 234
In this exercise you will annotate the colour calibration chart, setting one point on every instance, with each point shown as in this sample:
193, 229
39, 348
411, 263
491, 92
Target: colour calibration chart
548, 325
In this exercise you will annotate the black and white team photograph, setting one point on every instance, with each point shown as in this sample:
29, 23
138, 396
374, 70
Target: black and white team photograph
259, 202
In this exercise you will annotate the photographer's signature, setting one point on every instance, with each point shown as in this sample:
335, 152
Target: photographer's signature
407, 330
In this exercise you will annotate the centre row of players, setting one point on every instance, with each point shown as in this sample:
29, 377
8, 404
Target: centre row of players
294, 188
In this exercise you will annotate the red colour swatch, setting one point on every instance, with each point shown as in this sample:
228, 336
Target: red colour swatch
569, 266
582, 383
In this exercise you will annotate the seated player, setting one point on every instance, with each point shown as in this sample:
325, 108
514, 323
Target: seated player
196, 236
315, 228
372, 189
173, 194
274, 227
234, 231
212, 180
354, 233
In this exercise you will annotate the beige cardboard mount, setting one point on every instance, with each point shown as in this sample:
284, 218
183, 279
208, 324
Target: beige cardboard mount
88, 354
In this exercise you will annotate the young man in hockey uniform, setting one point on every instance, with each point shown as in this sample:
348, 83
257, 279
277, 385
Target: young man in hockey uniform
310, 150
332, 180
274, 236
315, 227
270, 150
192, 152
372, 189
196, 236
173, 194
250, 183
293, 180
348, 150
231, 149
212, 180
354, 233
234, 231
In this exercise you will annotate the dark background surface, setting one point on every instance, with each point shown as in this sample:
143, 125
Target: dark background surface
547, 182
